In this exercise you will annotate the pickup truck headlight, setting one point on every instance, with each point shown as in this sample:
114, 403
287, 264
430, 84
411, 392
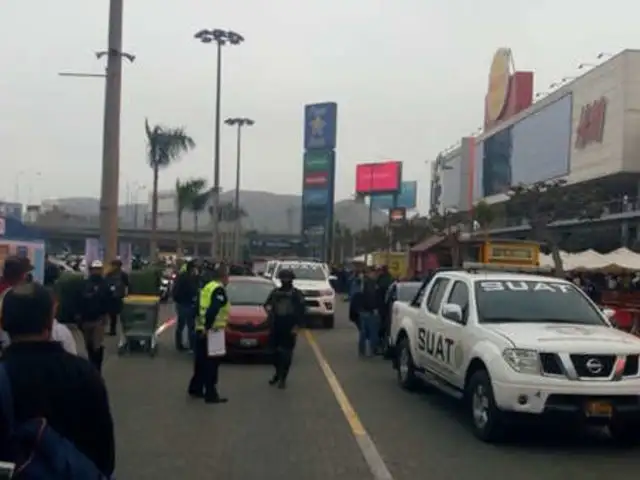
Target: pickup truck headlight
522, 360
327, 293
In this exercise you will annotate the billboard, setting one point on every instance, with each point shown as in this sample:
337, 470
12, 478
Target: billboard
535, 149
320, 126
318, 192
372, 178
406, 198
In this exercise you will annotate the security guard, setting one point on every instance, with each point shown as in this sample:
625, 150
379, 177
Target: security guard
93, 310
286, 309
213, 313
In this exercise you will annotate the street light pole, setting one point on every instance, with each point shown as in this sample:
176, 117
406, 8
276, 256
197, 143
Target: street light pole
238, 122
221, 38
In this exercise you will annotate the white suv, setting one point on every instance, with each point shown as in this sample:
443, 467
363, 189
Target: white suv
517, 346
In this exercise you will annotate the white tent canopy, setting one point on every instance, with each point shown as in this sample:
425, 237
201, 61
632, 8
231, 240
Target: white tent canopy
620, 259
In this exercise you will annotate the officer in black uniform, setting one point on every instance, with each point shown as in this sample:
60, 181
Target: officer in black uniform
93, 309
286, 309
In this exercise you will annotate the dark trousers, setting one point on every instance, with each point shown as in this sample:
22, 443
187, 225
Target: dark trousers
205, 371
113, 322
186, 319
283, 345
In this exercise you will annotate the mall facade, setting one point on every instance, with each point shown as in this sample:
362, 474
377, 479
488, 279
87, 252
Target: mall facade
586, 131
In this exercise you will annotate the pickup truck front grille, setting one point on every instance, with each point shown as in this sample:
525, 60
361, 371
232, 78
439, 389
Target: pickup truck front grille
312, 293
585, 367
593, 366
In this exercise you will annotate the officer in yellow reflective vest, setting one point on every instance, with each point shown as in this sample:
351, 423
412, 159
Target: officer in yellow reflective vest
213, 313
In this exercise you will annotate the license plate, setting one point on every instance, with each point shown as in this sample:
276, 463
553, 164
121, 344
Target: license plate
598, 409
248, 342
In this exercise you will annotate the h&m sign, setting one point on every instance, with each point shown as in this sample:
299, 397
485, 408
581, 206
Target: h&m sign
591, 124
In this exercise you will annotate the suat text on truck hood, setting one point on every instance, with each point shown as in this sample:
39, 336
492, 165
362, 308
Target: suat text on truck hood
569, 338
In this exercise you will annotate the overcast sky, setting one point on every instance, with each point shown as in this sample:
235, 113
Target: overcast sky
409, 77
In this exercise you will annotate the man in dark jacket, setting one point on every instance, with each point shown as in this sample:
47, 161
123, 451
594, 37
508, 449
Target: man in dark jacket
118, 283
286, 310
94, 305
185, 296
384, 281
48, 382
366, 303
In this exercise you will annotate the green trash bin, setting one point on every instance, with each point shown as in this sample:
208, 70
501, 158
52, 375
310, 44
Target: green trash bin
139, 323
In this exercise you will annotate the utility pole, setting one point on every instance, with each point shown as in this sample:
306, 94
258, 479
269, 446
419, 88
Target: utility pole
238, 122
221, 38
111, 134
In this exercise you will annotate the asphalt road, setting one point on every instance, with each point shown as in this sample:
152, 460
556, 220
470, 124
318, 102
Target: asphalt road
307, 431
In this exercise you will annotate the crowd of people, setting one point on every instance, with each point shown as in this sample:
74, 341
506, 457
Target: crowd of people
54, 402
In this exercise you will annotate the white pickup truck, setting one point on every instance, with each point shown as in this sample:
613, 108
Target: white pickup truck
518, 346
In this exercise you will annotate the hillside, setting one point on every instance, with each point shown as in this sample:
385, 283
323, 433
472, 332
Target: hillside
266, 212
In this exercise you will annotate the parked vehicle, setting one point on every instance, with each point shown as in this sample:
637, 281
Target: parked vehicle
248, 328
518, 346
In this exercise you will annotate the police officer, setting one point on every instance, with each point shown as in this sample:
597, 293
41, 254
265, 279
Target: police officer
93, 310
213, 313
286, 309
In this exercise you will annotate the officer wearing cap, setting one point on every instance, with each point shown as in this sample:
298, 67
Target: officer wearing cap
213, 313
286, 309
93, 310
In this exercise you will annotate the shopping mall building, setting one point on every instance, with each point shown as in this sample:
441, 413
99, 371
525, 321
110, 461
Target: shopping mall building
587, 132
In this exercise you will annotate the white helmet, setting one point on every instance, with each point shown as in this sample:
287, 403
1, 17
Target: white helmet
96, 264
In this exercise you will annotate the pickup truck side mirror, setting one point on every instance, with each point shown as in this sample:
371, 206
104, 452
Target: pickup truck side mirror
332, 278
453, 312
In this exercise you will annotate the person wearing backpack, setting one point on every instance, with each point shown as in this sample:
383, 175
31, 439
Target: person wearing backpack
53, 405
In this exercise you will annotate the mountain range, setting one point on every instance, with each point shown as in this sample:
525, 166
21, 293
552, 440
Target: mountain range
266, 213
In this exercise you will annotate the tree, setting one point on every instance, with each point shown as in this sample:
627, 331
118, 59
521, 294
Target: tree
484, 214
448, 225
198, 204
227, 212
544, 203
185, 192
164, 147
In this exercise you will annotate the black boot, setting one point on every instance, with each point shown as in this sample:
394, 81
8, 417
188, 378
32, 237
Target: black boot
274, 379
99, 358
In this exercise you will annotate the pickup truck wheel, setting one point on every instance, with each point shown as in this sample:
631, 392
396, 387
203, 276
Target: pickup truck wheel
406, 370
328, 322
486, 417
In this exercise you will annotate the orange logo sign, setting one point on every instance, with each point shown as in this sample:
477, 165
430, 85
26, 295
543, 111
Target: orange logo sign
591, 125
499, 79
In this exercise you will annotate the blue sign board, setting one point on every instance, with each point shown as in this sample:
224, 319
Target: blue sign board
407, 198
318, 197
320, 126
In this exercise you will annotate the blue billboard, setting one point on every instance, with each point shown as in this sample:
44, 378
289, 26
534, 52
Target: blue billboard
320, 126
407, 198
534, 149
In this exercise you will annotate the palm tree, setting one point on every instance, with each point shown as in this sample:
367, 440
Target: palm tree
198, 205
164, 147
185, 192
485, 215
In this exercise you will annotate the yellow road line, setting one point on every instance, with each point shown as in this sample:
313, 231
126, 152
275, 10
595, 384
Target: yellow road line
369, 451
345, 405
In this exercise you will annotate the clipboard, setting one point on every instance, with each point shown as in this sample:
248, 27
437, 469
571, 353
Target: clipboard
216, 345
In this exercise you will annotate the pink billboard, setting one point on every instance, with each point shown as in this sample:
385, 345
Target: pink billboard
384, 177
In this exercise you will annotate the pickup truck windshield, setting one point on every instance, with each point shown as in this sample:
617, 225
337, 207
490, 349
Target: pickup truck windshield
500, 301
